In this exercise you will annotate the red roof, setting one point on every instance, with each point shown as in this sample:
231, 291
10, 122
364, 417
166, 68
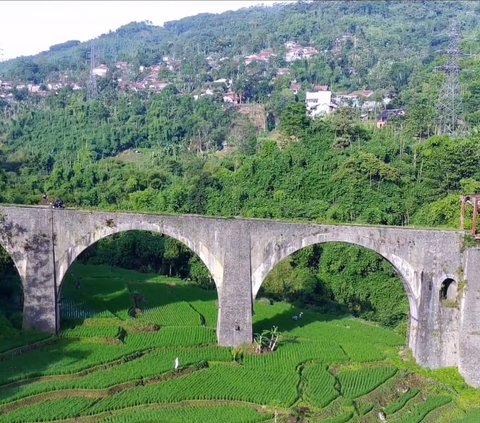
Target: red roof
362, 93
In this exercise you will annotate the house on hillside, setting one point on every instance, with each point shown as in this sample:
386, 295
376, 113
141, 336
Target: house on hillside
320, 88
123, 66
283, 71
100, 70
319, 103
295, 87
263, 56
231, 97
365, 94
6, 85
346, 99
295, 51
355, 99
387, 114
33, 88
54, 86
157, 86
342, 41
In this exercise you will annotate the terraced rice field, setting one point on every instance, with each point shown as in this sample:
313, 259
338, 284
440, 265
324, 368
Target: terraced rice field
108, 366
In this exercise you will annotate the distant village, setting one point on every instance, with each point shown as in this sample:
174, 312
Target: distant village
320, 100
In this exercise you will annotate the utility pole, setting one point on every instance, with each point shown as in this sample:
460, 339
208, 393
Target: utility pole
450, 114
92, 81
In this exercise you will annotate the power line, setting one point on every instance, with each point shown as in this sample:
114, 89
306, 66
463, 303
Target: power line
92, 80
450, 113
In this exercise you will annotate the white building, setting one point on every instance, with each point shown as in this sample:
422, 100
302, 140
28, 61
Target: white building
100, 70
295, 51
319, 103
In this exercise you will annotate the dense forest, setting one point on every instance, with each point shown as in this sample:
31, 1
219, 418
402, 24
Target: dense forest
172, 152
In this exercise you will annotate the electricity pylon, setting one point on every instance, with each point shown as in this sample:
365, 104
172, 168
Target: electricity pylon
450, 113
92, 81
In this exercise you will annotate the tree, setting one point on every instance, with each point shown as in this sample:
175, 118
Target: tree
267, 340
294, 120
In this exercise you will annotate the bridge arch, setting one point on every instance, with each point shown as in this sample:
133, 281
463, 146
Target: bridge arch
18, 259
11, 288
448, 284
71, 253
278, 250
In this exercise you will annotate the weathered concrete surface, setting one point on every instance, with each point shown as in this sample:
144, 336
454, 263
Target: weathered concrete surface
239, 254
469, 362
27, 237
236, 284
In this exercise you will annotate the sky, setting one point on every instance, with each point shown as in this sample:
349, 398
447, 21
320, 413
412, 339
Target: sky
29, 27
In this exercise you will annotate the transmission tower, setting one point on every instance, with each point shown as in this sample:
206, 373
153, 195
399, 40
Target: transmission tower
92, 81
450, 114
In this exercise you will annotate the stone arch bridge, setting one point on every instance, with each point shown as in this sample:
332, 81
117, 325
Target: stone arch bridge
441, 277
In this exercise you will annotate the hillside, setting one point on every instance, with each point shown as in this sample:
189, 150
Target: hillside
214, 115
357, 44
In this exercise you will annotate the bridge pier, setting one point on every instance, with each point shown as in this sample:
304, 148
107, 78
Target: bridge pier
470, 323
40, 308
436, 342
27, 235
235, 309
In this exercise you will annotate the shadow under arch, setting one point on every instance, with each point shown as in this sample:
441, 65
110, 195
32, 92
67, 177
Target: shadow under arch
402, 268
11, 292
84, 249
65, 260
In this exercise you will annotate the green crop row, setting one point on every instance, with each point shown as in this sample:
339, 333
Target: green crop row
472, 416
197, 414
86, 331
69, 356
420, 411
53, 409
70, 310
98, 294
355, 383
293, 352
216, 383
175, 314
166, 291
398, 405
319, 387
207, 309
342, 418
362, 352
315, 326
172, 337
136, 369
7, 344
62, 357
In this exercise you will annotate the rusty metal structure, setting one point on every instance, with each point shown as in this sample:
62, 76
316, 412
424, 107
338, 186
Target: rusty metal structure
474, 200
